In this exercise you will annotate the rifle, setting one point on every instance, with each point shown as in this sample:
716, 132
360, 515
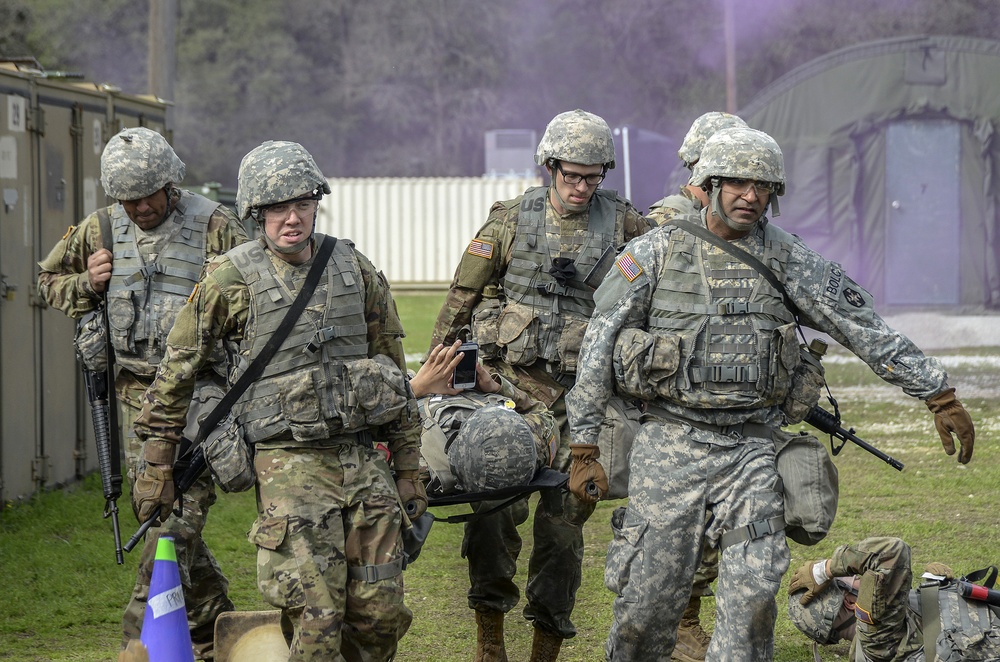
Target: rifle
104, 412
187, 468
829, 423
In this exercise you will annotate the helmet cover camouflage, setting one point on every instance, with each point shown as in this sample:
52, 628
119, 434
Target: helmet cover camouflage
577, 136
816, 619
276, 171
138, 162
701, 130
494, 448
741, 153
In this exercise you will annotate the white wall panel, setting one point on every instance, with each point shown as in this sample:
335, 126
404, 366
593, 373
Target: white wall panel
413, 229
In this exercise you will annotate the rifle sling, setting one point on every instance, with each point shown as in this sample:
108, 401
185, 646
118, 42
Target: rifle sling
256, 368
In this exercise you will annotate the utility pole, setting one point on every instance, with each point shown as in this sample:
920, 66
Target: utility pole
729, 36
162, 59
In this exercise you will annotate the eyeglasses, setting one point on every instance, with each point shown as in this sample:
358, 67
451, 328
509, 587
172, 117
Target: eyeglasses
741, 187
280, 211
574, 178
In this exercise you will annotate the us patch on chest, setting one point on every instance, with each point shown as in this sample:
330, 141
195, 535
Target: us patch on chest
481, 248
628, 266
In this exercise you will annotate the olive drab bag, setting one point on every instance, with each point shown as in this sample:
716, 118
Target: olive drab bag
621, 423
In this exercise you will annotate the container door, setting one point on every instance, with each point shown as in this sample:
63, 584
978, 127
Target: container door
923, 213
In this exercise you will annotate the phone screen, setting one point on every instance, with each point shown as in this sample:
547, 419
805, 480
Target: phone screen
465, 371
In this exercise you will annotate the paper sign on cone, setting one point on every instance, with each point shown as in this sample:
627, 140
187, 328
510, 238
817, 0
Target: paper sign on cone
164, 626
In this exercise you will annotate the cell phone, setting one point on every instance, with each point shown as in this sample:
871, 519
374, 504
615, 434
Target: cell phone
465, 371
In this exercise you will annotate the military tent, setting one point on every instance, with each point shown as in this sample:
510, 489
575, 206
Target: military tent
892, 161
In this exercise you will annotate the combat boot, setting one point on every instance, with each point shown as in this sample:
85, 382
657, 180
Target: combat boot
692, 641
545, 645
489, 639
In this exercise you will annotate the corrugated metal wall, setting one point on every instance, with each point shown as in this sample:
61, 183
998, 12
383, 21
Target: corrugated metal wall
413, 229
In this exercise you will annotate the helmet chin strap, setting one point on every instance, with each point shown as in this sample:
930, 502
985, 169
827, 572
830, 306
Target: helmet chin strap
572, 209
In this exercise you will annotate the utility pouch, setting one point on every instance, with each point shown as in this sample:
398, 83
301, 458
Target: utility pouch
91, 341
810, 484
229, 457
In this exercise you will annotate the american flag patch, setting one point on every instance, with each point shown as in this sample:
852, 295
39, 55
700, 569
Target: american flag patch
628, 267
481, 248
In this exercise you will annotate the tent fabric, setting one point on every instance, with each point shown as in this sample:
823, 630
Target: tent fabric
831, 117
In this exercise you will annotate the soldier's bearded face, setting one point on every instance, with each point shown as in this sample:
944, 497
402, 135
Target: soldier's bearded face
147, 212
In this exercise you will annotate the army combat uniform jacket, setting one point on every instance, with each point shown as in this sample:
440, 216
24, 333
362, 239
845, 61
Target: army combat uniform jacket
507, 265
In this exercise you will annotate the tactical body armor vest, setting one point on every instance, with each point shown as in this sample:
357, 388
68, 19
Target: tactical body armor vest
148, 289
737, 340
307, 390
543, 318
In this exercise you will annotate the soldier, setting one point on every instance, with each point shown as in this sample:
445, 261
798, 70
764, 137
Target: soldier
329, 509
691, 199
145, 254
692, 640
862, 594
723, 349
494, 435
520, 285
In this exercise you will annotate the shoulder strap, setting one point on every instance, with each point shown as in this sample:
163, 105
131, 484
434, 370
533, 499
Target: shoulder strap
256, 368
930, 612
740, 254
104, 223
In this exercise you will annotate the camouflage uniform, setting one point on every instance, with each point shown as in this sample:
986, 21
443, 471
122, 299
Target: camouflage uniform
64, 284
492, 449
684, 203
328, 510
492, 544
883, 565
713, 447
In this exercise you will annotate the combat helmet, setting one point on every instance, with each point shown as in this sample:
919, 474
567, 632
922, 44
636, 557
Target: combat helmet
816, 619
276, 171
495, 448
138, 162
701, 130
741, 153
577, 136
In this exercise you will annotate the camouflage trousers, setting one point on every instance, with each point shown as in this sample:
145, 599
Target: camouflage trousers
205, 587
492, 545
896, 633
678, 475
321, 510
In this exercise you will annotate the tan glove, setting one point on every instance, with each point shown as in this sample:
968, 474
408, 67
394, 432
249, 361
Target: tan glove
803, 578
950, 417
940, 569
153, 493
587, 480
411, 493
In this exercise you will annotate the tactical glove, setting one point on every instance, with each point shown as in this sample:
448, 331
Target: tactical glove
939, 569
950, 417
153, 493
803, 578
587, 480
411, 493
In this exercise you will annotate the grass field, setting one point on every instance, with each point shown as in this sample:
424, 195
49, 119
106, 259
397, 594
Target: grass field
64, 594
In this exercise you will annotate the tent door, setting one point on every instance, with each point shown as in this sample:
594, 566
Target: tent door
923, 213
